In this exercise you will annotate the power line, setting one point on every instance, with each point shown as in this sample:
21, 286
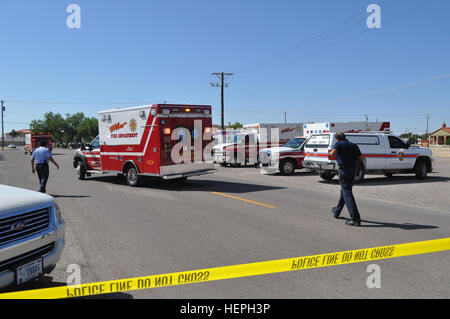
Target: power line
269, 65
302, 45
77, 103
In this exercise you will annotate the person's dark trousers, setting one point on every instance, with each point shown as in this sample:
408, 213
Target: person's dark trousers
347, 198
43, 172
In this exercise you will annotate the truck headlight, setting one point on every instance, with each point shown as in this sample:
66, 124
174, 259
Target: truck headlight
57, 211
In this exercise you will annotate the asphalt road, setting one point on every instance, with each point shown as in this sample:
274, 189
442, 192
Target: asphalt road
114, 231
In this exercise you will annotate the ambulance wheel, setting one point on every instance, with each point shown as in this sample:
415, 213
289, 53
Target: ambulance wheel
81, 171
421, 169
132, 177
287, 167
327, 176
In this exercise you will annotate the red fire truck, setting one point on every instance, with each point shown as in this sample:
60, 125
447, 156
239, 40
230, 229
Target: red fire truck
161, 140
33, 140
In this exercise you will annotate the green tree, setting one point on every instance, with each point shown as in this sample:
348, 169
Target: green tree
74, 128
52, 123
72, 123
236, 125
88, 129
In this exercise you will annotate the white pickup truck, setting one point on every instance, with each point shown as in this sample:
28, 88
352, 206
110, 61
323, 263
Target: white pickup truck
383, 153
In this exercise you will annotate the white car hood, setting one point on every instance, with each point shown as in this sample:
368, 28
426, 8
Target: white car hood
13, 199
221, 146
278, 149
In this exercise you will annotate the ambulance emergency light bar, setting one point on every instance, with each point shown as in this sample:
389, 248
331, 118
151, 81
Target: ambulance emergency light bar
177, 110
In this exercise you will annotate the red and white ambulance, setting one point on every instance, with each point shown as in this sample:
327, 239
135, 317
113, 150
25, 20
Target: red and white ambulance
33, 141
347, 127
166, 141
244, 146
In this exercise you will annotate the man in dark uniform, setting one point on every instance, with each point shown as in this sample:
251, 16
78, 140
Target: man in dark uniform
348, 156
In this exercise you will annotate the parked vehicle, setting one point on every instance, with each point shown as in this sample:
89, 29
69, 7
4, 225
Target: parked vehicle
383, 153
12, 146
245, 146
139, 141
31, 235
33, 140
346, 127
285, 159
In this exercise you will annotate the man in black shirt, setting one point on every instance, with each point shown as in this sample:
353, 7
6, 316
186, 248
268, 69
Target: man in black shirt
348, 155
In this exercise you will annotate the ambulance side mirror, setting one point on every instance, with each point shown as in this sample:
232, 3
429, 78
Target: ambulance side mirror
83, 147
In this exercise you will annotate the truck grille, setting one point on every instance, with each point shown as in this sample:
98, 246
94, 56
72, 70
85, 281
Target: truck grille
23, 225
24, 258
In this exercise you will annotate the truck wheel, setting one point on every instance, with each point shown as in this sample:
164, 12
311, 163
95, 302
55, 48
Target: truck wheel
81, 171
421, 169
132, 177
388, 174
327, 176
359, 175
287, 167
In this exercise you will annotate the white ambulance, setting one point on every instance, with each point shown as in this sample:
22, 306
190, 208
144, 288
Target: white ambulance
346, 127
383, 153
161, 140
245, 146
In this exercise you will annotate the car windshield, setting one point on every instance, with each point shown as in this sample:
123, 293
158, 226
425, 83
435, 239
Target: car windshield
235, 138
295, 142
319, 141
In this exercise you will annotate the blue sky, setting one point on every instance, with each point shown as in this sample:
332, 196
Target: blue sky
305, 58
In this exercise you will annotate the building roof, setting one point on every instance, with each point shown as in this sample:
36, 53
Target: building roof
442, 131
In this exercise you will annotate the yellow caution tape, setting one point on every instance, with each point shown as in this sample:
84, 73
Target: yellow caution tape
235, 271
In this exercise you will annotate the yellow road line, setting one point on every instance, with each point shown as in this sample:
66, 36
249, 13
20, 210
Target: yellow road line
243, 199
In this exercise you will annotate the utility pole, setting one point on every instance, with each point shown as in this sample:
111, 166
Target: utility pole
284, 117
3, 127
426, 134
222, 84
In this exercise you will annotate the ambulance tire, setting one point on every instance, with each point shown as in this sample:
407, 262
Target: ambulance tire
81, 171
327, 176
421, 169
287, 167
132, 177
